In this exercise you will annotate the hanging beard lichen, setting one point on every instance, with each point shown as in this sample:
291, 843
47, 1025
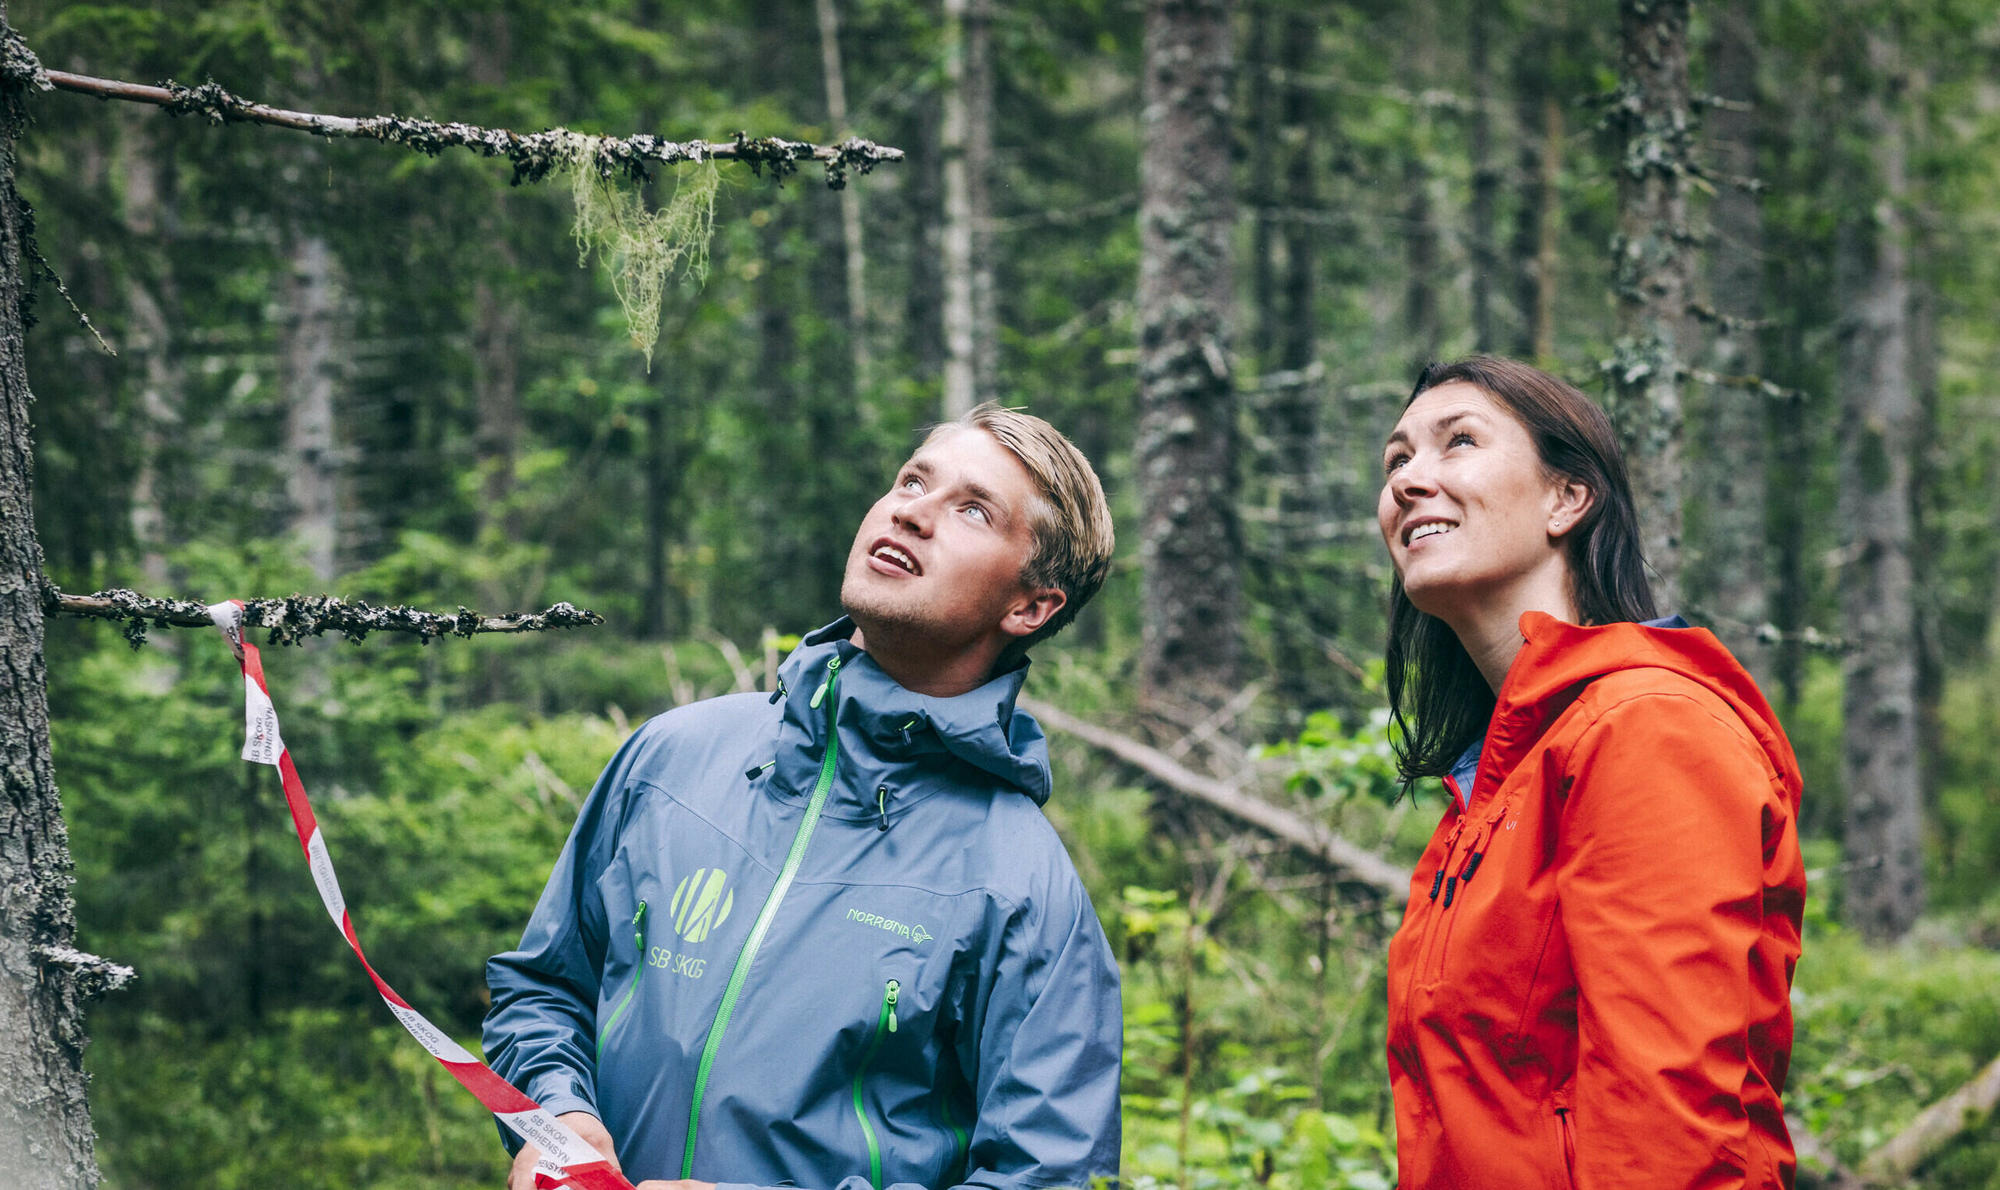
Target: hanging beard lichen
642, 247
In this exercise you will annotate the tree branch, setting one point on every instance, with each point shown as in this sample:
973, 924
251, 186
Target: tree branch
296, 617
533, 155
1302, 834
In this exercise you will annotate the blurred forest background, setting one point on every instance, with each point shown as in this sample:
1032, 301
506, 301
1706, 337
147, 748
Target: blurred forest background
343, 367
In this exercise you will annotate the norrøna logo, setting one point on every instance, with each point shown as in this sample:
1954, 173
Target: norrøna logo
701, 903
915, 933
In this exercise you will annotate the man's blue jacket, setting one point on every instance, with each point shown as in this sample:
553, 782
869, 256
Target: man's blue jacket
832, 943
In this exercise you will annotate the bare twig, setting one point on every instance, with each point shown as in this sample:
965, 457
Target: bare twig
1303, 834
296, 617
533, 155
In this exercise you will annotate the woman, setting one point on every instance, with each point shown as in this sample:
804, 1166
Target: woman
1591, 984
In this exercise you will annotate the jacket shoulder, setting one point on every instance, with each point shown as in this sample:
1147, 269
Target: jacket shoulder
1635, 705
710, 732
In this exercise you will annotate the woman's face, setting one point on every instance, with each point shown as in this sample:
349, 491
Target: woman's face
1473, 521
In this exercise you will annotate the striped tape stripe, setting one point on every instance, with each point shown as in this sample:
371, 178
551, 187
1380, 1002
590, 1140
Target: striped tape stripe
567, 1160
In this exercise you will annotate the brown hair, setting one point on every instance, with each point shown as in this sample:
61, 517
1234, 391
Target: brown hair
1071, 521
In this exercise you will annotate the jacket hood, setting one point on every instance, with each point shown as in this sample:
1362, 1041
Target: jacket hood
1560, 658
890, 735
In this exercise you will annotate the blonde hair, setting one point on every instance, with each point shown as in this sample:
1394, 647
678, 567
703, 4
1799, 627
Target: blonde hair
1071, 521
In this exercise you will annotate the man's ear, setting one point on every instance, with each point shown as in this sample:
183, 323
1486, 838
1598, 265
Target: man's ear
1571, 503
1033, 609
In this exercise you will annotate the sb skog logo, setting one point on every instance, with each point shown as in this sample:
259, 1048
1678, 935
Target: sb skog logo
701, 903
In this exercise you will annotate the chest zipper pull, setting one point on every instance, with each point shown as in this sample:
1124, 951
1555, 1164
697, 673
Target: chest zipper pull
882, 807
819, 695
889, 996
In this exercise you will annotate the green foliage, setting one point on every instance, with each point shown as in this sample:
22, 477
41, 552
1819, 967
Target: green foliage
1882, 1033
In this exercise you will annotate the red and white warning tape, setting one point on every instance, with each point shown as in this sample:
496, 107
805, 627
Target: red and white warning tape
567, 1160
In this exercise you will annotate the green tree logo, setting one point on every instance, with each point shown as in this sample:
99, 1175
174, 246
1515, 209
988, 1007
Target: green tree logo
701, 903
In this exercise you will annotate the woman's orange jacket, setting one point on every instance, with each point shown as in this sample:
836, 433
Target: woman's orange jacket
1591, 985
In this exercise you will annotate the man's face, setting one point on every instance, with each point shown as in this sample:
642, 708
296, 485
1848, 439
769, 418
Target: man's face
936, 565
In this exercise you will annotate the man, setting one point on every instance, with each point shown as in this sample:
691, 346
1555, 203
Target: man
828, 939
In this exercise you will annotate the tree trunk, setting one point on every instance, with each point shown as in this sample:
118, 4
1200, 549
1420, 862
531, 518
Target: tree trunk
1263, 183
1485, 181
1548, 229
854, 257
1652, 265
967, 150
45, 1136
1301, 616
1733, 480
1879, 755
312, 480
496, 323
147, 216
1420, 232
1190, 546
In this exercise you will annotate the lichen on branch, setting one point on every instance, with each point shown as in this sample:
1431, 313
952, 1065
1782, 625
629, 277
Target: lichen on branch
292, 619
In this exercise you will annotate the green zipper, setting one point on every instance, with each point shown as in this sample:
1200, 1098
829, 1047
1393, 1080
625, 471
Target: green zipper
638, 969
885, 1023
770, 910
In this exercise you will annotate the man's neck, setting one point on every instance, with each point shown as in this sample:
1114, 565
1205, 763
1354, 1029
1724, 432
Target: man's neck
929, 670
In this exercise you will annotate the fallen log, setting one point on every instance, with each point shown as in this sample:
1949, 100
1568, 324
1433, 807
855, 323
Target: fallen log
1935, 1126
1302, 834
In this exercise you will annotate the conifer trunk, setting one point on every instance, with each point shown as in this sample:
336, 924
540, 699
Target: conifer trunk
1653, 263
1879, 754
45, 1135
1190, 545
1734, 475
967, 148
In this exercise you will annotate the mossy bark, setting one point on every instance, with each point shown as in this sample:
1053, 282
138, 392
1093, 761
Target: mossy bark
1880, 758
45, 1134
1190, 543
1653, 260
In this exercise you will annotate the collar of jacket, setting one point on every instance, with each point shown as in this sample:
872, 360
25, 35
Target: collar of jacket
914, 745
1559, 659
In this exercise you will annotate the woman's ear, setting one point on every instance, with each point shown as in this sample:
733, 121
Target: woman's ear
1571, 503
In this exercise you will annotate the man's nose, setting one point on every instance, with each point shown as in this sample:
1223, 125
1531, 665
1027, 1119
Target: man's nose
917, 514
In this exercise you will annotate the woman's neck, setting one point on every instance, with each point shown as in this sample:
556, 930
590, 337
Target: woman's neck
1491, 632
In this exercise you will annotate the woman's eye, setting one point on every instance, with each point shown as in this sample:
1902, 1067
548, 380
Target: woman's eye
1394, 461
1462, 439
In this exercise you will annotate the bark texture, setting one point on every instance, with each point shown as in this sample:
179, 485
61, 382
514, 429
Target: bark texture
1190, 544
1880, 763
971, 339
312, 481
1734, 473
1653, 262
854, 258
45, 1135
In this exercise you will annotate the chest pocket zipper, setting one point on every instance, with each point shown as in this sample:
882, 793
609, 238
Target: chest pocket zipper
1453, 875
885, 1024
638, 969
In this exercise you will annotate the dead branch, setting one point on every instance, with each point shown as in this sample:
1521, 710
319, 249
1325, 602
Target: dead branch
1934, 1127
1302, 834
292, 619
532, 155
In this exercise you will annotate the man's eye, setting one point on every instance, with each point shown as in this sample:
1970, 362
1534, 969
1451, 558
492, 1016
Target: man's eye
912, 483
978, 512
